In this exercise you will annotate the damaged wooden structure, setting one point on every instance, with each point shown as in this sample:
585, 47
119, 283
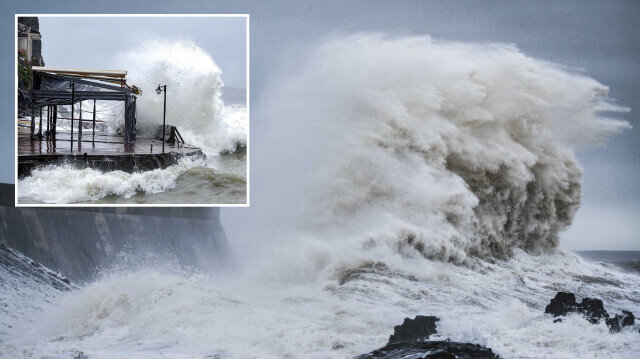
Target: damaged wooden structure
54, 88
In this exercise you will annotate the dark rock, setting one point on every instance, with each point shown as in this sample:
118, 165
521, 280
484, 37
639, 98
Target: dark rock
591, 308
620, 321
432, 350
562, 304
414, 330
628, 318
410, 340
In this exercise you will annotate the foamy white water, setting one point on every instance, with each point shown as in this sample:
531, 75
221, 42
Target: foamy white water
447, 173
67, 184
220, 179
159, 314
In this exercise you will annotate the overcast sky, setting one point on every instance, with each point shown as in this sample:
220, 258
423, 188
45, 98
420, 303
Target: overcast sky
94, 42
601, 37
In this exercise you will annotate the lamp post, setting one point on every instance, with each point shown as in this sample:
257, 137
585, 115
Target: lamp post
164, 113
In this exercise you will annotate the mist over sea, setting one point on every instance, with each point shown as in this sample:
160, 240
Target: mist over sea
626, 260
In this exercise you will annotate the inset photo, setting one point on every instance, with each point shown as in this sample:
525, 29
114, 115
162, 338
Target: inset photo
126, 110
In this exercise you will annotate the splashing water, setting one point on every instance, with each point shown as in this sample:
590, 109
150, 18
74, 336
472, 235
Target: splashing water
446, 176
194, 90
446, 150
164, 313
67, 184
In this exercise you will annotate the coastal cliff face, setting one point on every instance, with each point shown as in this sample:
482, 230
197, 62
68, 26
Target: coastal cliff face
78, 242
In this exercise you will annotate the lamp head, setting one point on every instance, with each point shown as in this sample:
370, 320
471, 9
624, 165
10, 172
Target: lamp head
159, 90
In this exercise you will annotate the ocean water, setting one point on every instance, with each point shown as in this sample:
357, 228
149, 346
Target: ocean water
219, 179
219, 129
162, 313
626, 260
442, 178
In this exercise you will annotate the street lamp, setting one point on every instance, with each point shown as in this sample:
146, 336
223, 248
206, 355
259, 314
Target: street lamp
159, 90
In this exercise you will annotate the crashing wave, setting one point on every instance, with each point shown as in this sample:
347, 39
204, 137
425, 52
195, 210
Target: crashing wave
194, 95
446, 149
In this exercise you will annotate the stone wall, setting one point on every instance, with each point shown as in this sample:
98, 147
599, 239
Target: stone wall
79, 242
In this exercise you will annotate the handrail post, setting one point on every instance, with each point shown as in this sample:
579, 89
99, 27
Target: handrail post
73, 94
93, 135
40, 125
80, 124
33, 116
54, 117
164, 115
48, 120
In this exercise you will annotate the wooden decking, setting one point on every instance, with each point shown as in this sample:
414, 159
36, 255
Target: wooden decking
107, 152
104, 144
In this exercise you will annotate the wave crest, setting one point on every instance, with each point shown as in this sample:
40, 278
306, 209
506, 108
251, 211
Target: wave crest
194, 95
461, 148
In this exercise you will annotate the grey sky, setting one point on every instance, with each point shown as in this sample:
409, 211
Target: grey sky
603, 38
94, 42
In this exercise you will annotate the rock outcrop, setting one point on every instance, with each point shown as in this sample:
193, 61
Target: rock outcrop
414, 330
411, 340
591, 308
432, 350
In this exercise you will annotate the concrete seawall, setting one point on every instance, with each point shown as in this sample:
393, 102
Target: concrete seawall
78, 242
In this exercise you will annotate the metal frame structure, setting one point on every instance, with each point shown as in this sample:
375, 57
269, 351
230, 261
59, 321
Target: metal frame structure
53, 87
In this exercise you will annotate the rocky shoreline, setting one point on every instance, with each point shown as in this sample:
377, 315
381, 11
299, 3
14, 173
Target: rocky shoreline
411, 338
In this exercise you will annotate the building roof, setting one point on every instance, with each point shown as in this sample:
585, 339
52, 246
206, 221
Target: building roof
80, 72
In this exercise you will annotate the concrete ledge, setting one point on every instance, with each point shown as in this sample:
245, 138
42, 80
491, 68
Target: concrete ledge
124, 162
